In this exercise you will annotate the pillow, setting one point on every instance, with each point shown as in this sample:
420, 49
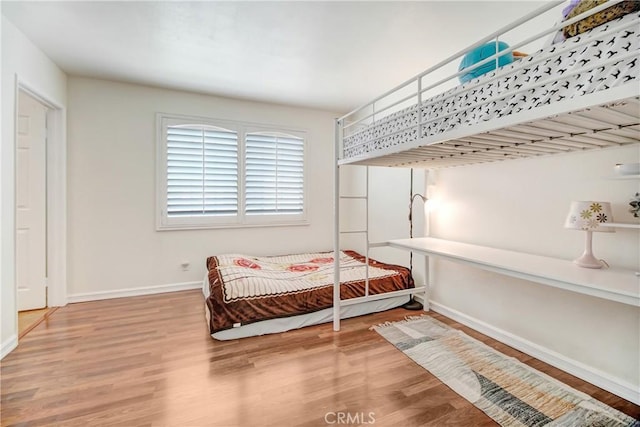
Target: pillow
480, 53
569, 8
599, 18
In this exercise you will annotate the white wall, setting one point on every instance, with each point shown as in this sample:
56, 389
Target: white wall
5, 346
112, 241
20, 58
521, 205
388, 211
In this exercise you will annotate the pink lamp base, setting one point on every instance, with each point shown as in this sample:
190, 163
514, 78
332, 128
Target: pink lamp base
588, 261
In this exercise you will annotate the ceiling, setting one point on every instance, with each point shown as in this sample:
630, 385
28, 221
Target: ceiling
327, 55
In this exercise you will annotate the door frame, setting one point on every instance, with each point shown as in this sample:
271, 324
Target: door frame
56, 197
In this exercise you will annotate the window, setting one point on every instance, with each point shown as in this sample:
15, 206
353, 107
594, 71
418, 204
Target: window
202, 171
274, 174
213, 173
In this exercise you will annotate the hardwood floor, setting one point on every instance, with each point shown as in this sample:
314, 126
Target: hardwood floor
150, 361
29, 319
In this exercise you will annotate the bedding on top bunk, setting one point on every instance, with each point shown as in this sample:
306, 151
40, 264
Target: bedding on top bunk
480, 99
245, 289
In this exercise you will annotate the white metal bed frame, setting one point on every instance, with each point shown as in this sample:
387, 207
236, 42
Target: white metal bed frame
586, 122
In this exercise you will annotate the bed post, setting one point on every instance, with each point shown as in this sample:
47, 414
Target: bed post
336, 231
427, 233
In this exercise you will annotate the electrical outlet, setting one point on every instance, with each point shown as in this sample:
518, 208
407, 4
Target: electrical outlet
186, 265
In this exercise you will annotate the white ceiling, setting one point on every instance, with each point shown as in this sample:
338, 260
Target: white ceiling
328, 55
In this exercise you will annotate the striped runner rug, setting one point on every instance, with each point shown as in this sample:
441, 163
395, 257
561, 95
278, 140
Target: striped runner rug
507, 390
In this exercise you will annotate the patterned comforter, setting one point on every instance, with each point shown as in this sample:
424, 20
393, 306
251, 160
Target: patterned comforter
245, 289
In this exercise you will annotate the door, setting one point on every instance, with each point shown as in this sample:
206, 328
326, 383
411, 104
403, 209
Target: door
31, 206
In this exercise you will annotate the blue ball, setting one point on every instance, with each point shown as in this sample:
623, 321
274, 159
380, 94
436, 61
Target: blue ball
480, 53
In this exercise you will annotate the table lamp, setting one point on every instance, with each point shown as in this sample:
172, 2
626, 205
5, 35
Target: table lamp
589, 216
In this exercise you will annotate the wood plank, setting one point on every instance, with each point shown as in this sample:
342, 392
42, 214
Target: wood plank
150, 361
29, 319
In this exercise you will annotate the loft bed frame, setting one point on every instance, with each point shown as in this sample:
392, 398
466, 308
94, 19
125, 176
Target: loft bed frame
598, 119
393, 130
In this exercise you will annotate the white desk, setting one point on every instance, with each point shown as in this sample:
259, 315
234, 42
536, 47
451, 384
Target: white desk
608, 283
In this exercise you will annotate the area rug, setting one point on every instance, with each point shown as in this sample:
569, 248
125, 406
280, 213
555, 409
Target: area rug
507, 390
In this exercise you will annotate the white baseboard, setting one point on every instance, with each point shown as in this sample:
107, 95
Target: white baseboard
8, 345
594, 376
133, 292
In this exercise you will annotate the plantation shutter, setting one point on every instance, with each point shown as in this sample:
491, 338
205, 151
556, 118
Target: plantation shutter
274, 174
202, 171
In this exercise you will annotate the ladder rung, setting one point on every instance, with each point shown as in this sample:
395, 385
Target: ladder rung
354, 232
353, 197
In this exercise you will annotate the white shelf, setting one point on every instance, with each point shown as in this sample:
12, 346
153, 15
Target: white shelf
608, 283
619, 225
624, 177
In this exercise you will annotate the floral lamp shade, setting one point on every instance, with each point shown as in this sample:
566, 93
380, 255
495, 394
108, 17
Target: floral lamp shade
589, 216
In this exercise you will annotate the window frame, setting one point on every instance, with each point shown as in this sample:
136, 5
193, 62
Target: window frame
241, 219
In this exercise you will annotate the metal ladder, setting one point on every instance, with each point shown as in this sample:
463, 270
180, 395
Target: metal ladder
337, 302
